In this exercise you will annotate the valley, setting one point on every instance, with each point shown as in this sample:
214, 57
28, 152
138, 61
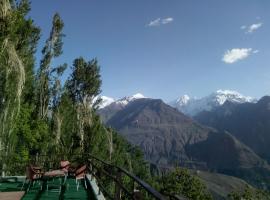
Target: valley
170, 138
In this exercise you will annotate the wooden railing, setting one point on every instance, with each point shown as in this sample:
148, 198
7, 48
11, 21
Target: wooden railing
117, 183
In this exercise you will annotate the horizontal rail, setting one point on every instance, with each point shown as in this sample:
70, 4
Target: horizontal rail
110, 176
151, 191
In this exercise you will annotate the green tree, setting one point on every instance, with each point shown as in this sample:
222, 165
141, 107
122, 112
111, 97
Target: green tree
67, 141
52, 49
83, 86
56, 95
18, 37
181, 182
249, 194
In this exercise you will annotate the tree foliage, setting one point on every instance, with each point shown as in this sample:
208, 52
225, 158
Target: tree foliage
52, 49
18, 43
249, 194
83, 86
181, 182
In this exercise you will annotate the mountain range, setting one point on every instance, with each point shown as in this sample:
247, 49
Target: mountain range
169, 137
186, 104
205, 141
192, 106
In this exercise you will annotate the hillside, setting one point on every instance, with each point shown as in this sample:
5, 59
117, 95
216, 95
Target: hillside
249, 123
168, 137
220, 185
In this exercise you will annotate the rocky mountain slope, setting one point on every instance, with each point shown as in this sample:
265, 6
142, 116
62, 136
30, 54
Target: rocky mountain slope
220, 185
107, 110
249, 122
168, 137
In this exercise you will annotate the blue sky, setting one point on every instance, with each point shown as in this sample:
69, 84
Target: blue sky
167, 48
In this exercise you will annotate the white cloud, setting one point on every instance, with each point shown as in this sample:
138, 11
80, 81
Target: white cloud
155, 22
167, 20
234, 55
159, 21
251, 28
254, 27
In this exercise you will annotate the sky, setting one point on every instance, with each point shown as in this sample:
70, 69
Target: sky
166, 48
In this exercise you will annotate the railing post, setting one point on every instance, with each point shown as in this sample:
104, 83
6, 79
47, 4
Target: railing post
137, 195
117, 195
91, 171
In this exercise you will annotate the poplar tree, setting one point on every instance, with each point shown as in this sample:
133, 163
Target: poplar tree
56, 96
84, 86
51, 50
18, 37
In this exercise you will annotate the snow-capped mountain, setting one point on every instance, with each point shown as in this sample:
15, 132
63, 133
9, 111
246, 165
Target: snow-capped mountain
183, 100
192, 106
106, 101
125, 100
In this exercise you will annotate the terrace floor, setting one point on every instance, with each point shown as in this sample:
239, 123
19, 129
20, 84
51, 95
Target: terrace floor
10, 189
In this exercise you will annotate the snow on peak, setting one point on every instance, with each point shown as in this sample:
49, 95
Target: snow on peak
183, 100
221, 96
138, 96
124, 101
227, 92
105, 101
192, 106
